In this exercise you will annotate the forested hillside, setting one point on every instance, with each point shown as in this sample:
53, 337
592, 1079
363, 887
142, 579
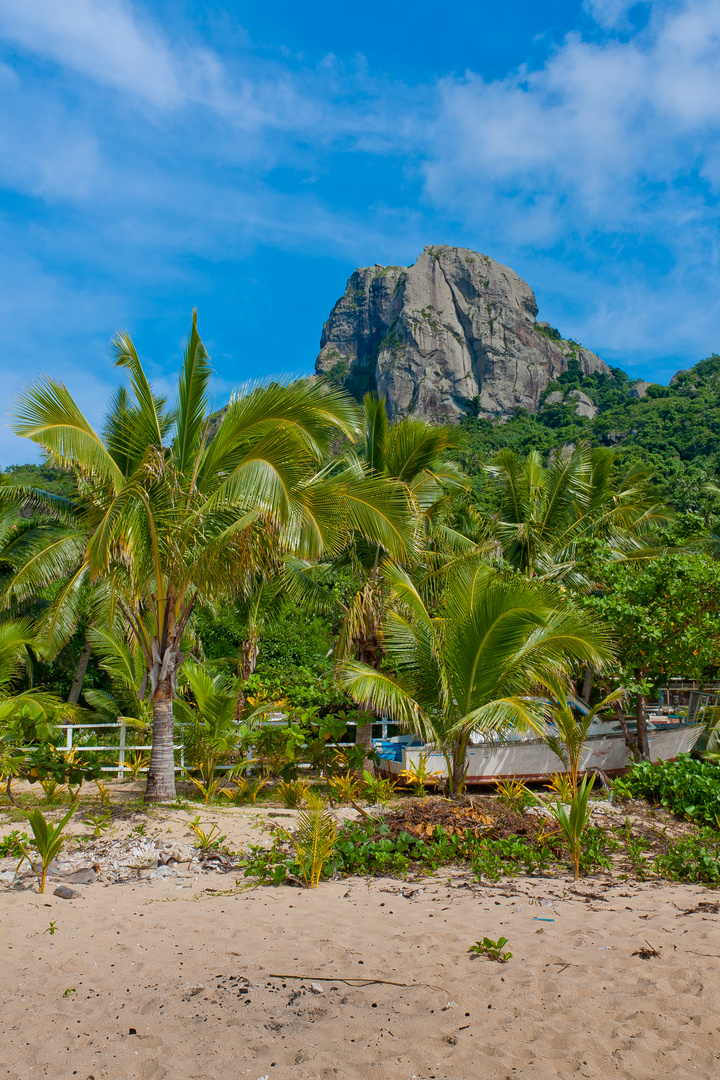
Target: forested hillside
673, 429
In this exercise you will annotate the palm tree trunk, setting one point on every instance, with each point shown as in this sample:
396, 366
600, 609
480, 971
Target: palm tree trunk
161, 774
80, 670
586, 686
459, 767
364, 738
247, 662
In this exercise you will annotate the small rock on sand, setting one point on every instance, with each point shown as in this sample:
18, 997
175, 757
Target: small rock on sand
85, 876
65, 893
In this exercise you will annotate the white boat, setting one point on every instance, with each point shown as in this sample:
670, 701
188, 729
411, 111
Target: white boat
530, 758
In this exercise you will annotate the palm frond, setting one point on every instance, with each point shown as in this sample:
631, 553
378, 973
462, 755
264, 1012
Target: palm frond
152, 425
47, 414
192, 402
314, 839
376, 431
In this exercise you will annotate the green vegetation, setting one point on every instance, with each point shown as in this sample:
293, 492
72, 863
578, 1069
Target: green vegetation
674, 431
469, 667
495, 950
687, 787
313, 839
267, 582
48, 841
696, 858
575, 819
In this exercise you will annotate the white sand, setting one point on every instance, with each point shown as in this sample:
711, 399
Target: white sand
573, 1001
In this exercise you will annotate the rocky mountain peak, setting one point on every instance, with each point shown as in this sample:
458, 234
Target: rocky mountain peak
454, 333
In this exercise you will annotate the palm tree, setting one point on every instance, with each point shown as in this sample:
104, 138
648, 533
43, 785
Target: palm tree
211, 732
410, 457
549, 516
183, 507
472, 667
567, 736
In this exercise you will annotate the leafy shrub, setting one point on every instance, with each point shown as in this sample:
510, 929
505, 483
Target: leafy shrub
12, 844
368, 848
596, 848
270, 865
687, 787
46, 762
378, 789
696, 858
292, 792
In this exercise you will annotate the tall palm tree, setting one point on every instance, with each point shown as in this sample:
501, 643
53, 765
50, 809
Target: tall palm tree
473, 666
181, 508
410, 457
550, 515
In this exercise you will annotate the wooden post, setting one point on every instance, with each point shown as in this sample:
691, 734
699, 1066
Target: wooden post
121, 755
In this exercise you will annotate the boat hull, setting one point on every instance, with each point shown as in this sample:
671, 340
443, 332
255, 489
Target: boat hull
533, 760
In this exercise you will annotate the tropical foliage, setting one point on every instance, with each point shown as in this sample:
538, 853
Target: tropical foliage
187, 571
551, 518
472, 668
181, 507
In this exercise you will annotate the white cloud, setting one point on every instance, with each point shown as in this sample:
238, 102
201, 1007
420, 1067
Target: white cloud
604, 163
589, 174
583, 138
612, 14
102, 39
43, 151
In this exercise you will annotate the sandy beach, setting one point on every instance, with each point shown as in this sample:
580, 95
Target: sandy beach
361, 978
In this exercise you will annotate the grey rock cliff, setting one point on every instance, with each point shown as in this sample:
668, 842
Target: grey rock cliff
452, 334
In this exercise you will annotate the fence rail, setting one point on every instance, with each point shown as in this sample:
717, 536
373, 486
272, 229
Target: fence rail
123, 748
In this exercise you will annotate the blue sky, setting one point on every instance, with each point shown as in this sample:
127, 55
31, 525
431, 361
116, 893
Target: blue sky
245, 158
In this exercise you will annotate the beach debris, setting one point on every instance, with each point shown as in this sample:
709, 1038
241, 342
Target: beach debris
129, 858
587, 895
66, 893
481, 817
354, 981
494, 950
647, 953
235, 984
704, 907
176, 853
163, 872
86, 875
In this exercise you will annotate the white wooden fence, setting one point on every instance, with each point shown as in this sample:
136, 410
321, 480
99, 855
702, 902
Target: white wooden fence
120, 769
